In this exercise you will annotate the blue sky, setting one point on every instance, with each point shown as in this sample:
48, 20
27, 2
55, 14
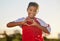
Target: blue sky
49, 11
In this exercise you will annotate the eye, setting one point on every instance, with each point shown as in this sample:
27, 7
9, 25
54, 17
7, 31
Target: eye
33, 10
30, 9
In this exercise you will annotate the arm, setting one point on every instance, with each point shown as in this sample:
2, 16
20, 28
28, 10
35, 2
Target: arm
17, 22
13, 24
44, 29
44, 26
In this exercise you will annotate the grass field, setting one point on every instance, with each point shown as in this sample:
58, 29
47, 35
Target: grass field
4, 39
19, 38
51, 39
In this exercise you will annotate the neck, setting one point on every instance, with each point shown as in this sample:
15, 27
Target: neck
31, 18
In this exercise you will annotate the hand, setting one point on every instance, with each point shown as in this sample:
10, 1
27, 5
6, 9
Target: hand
34, 23
24, 22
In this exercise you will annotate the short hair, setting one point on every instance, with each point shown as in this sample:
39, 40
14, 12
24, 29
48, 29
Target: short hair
33, 4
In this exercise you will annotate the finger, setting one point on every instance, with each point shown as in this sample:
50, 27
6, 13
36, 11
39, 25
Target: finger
27, 24
32, 24
33, 20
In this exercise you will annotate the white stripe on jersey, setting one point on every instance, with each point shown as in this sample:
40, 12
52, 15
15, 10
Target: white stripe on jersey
20, 19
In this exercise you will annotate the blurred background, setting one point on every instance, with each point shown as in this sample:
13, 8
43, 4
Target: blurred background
10, 10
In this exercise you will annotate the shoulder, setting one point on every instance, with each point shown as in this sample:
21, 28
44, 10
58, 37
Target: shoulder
42, 23
40, 20
20, 19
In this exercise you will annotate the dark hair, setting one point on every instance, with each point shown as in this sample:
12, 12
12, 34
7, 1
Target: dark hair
33, 4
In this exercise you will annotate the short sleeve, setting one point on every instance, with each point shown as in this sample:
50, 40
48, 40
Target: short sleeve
19, 19
42, 23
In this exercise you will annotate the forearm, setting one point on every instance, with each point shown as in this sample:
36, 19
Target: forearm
44, 29
13, 24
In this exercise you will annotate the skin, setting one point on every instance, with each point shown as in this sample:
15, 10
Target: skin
32, 11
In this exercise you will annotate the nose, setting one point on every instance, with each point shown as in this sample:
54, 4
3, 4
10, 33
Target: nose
32, 12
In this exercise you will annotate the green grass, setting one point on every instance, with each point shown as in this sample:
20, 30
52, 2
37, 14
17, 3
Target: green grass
52, 40
18, 37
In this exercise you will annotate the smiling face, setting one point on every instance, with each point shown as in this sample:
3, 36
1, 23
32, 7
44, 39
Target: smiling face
32, 11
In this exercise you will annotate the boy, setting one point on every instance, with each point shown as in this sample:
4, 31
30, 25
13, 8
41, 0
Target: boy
32, 27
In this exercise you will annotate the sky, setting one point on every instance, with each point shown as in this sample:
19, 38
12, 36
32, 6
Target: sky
49, 11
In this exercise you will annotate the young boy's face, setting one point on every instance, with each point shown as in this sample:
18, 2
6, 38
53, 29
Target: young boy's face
32, 11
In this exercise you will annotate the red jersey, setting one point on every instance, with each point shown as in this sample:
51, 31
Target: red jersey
32, 33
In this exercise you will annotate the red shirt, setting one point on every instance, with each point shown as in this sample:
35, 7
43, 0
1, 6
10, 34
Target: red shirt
31, 33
